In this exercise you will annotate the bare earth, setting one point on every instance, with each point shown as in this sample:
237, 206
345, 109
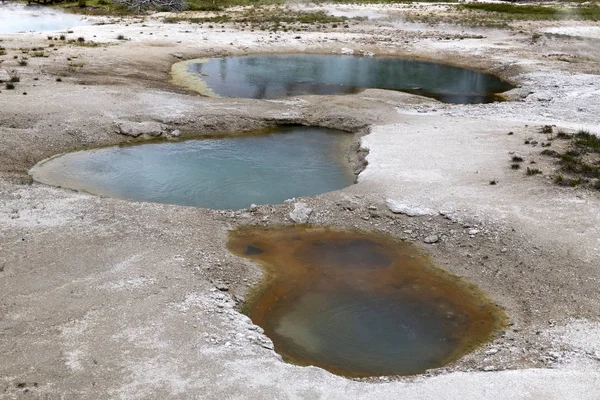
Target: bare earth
104, 298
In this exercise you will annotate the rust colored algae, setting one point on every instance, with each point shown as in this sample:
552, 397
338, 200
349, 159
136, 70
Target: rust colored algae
361, 304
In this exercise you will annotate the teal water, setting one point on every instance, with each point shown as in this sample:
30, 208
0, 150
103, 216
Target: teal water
276, 76
19, 18
222, 173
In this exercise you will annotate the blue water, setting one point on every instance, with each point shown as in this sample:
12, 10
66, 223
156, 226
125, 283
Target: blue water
223, 173
276, 76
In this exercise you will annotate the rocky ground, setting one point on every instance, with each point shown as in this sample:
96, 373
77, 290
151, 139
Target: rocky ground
104, 298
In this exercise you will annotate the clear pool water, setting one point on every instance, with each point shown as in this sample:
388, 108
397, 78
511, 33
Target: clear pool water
220, 173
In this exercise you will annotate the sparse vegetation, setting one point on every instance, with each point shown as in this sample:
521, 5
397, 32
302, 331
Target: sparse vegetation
533, 171
265, 19
503, 14
509, 11
13, 76
580, 162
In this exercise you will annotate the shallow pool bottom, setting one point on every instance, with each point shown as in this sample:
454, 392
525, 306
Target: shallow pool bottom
361, 304
229, 172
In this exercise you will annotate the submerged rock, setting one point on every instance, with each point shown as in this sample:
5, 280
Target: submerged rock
301, 213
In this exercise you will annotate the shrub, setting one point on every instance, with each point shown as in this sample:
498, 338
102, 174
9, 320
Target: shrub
533, 171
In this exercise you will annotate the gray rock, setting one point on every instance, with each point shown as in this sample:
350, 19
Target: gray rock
176, 133
431, 239
348, 204
301, 213
412, 211
135, 129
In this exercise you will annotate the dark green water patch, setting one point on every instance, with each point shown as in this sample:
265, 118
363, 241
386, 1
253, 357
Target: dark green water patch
276, 76
360, 304
221, 173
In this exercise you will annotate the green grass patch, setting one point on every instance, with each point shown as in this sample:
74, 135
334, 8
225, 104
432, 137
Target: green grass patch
537, 12
587, 141
265, 17
94, 7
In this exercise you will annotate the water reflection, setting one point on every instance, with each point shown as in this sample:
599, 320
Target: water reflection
275, 76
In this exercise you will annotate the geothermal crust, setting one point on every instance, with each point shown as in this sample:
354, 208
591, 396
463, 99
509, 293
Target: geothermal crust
105, 298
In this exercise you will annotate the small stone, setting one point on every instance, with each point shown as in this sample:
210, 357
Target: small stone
431, 239
348, 204
222, 286
253, 207
489, 368
347, 51
554, 355
492, 351
176, 133
301, 213
412, 211
135, 129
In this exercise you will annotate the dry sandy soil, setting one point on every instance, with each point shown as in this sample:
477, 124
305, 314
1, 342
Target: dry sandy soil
105, 298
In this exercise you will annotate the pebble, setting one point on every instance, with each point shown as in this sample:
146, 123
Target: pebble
431, 239
489, 368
